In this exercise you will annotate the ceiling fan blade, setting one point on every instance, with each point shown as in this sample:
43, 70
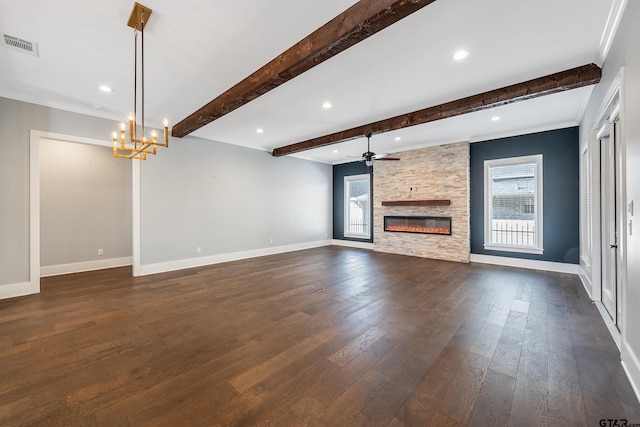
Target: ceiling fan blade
387, 158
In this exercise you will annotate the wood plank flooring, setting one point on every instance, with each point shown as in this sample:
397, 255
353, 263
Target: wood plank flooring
324, 337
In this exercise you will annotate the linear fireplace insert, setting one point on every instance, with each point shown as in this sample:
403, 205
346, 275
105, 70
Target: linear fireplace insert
418, 224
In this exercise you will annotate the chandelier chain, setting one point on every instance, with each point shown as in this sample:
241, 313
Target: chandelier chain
142, 23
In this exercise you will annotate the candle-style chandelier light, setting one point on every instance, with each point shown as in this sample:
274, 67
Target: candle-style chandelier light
137, 147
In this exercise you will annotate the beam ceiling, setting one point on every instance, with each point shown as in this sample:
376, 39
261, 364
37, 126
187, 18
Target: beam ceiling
574, 78
360, 21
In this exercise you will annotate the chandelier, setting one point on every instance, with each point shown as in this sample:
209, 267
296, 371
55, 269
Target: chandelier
138, 146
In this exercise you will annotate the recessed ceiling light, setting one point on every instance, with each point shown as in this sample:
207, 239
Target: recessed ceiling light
460, 54
397, 138
326, 105
105, 88
495, 118
260, 130
335, 151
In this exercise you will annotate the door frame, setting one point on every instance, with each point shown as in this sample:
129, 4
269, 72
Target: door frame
35, 137
616, 90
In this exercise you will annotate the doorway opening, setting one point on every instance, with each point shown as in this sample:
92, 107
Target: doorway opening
85, 208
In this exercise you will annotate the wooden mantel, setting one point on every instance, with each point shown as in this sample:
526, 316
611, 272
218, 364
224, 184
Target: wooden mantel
434, 202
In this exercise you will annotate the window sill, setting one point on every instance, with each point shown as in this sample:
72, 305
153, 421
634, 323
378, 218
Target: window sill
520, 249
357, 236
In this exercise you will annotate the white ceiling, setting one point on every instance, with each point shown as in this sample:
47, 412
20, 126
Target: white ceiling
197, 49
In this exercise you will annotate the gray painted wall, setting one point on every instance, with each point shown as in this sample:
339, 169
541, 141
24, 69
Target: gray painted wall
16, 120
14, 194
85, 203
185, 189
625, 53
224, 198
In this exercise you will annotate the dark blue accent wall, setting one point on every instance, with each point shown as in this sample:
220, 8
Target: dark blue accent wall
561, 190
339, 172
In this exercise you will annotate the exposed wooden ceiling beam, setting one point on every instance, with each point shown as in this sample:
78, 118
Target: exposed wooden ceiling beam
360, 21
565, 80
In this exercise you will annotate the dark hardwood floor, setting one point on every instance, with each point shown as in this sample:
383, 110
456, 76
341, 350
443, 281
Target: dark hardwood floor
324, 337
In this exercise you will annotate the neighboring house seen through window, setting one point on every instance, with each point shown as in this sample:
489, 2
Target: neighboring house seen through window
513, 204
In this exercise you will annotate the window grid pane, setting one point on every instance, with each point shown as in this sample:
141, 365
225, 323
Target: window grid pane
513, 201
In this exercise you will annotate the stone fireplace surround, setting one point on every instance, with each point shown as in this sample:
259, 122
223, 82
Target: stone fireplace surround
440, 172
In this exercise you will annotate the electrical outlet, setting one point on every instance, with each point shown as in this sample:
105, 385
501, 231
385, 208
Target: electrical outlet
198, 250
100, 252
271, 241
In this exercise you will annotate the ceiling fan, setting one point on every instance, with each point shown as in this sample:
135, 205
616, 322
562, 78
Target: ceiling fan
368, 157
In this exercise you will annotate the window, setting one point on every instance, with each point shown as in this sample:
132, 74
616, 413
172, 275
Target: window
513, 204
357, 206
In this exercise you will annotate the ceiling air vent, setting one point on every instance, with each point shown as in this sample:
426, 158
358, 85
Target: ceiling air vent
20, 45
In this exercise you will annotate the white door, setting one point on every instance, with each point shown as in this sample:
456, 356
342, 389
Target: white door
609, 222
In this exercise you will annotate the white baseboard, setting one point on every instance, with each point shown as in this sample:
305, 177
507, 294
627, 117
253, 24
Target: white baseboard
558, 267
77, 267
352, 244
586, 282
613, 330
163, 267
631, 366
19, 289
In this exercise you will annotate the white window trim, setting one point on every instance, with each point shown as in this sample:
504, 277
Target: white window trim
586, 198
488, 164
348, 179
